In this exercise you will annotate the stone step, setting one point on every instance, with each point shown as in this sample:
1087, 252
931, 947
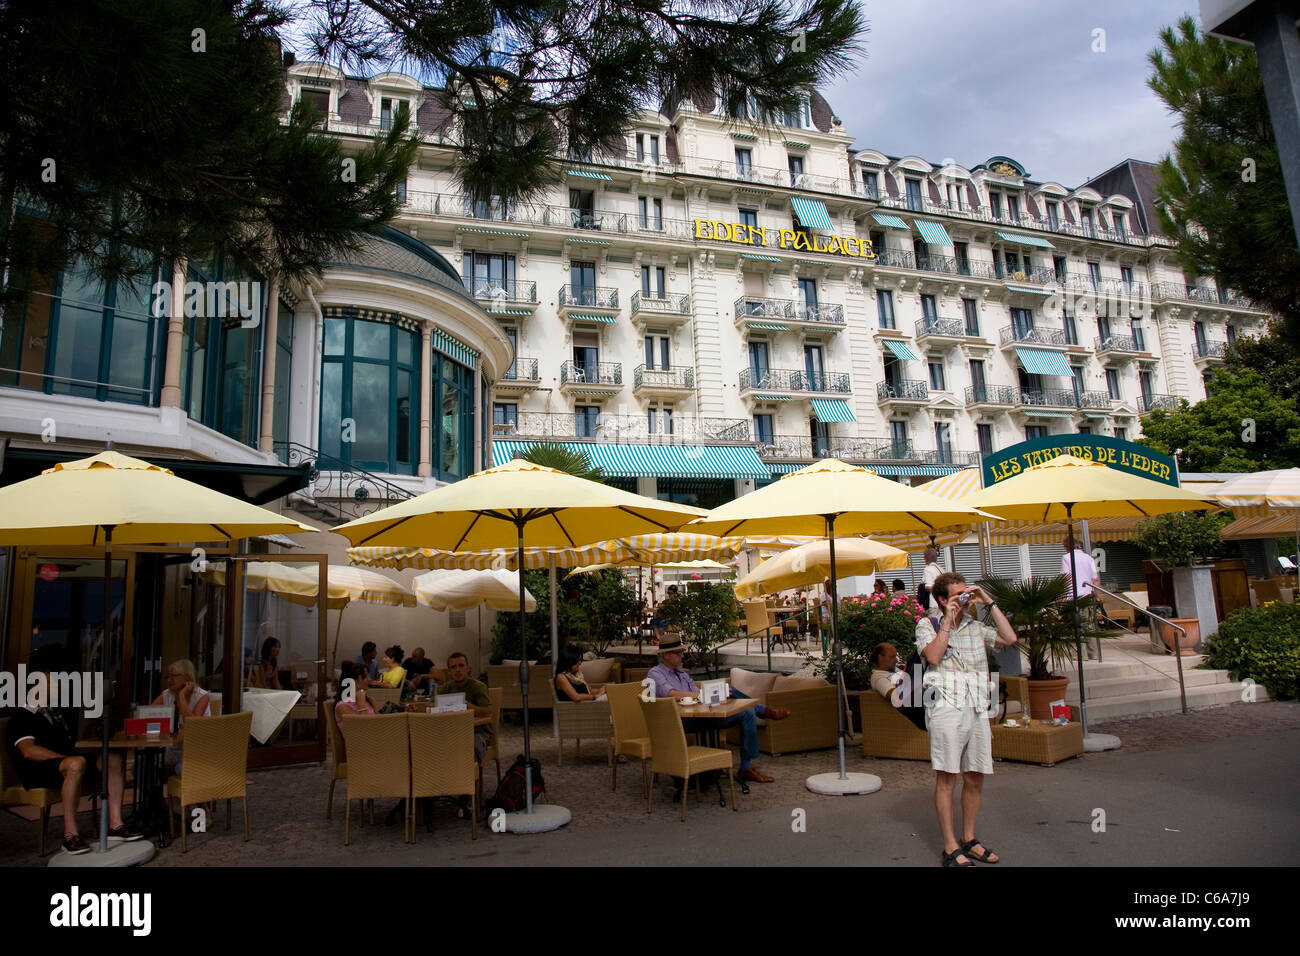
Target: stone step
1167, 701
1126, 686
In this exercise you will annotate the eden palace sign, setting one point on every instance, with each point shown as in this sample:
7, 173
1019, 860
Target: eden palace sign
720, 231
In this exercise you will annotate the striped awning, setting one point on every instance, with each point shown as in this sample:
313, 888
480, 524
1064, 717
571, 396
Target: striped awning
493, 232
933, 233
492, 311
796, 144
587, 174
1038, 241
1096, 414
454, 349
759, 258
650, 461
589, 317
914, 471
1043, 362
772, 398
589, 242
768, 326
888, 221
832, 410
901, 350
1030, 290
812, 214
1036, 413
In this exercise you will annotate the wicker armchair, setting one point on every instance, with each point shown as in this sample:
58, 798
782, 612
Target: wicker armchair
634, 675
442, 761
575, 719
379, 763
506, 676
887, 733
673, 756
216, 766
340, 751
384, 695
630, 734
760, 623
812, 724
13, 793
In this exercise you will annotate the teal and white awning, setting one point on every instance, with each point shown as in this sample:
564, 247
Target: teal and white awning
759, 258
812, 214
588, 317
772, 398
901, 350
1043, 362
768, 326
587, 174
656, 461
495, 311
933, 233
885, 471
454, 349
1038, 241
493, 232
1035, 413
888, 221
832, 410
1096, 414
1028, 289
588, 242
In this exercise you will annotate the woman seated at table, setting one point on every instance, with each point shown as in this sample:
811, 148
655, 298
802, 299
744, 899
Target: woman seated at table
394, 674
189, 699
569, 683
352, 700
265, 673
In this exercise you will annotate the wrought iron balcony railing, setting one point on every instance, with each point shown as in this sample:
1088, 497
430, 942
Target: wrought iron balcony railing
948, 456
1211, 349
903, 388
661, 305
588, 298
663, 377
940, 325
501, 290
755, 308
1117, 343
599, 373
1167, 403
612, 427
524, 370
793, 380
1037, 335
990, 395
1046, 397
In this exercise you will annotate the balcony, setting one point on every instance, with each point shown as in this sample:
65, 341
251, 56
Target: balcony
765, 314
875, 450
949, 456
940, 330
1209, 353
663, 382
787, 381
667, 310
1039, 335
520, 377
596, 225
775, 176
1164, 403
599, 380
502, 297
1045, 398
587, 304
1120, 347
990, 396
613, 427
902, 393
1031, 276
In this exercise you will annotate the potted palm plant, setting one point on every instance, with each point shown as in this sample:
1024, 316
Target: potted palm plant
1043, 618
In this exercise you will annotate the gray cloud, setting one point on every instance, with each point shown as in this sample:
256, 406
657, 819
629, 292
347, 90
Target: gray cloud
1015, 78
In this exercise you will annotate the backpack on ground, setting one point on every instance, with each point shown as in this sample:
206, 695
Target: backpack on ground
510, 792
911, 692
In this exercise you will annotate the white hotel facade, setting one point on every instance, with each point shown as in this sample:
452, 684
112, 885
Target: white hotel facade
672, 308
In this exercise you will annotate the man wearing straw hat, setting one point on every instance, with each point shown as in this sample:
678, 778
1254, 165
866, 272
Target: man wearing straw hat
671, 681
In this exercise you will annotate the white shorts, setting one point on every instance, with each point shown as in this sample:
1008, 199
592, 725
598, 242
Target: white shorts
960, 739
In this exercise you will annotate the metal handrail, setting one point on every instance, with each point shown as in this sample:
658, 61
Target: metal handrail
1182, 687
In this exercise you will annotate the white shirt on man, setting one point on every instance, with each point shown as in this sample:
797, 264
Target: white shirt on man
1085, 567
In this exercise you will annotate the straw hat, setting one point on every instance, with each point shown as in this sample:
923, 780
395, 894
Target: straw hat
671, 643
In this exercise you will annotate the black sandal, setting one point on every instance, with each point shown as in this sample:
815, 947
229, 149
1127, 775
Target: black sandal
950, 859
966, 848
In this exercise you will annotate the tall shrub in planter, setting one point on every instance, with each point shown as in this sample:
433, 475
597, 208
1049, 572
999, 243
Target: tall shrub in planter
866, 620
708, 615
1263, 644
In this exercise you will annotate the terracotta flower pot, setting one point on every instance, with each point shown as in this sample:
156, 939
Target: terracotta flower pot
1041, 695
1179, 643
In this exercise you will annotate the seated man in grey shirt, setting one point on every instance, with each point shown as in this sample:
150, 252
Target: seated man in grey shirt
671, 681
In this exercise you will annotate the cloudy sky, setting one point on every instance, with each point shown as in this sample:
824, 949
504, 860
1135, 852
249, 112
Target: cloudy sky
1018, 78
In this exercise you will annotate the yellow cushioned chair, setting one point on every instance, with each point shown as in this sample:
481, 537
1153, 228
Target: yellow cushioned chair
631, 738
442, 761
673, 757
215, 752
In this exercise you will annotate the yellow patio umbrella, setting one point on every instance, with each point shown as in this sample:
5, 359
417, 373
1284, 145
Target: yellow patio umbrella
811, 564
1264, 495
111, 497
452, 590
526, 505
830, 498
1065, 488
435, 559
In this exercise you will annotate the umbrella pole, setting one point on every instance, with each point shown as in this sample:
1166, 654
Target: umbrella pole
105, 655
1078, 627
555, 639
835, 640
337, 628
523, 671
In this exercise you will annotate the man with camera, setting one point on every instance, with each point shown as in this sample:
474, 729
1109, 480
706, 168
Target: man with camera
957, 700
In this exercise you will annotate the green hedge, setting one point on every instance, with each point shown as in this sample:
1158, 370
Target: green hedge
1263, 644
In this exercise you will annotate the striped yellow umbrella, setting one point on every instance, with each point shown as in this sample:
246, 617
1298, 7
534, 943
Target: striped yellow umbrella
535, 559
1264, 495
953, 487
454, 590
811, 564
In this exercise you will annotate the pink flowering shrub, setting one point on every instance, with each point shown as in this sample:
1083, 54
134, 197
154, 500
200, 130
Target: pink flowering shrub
866, 620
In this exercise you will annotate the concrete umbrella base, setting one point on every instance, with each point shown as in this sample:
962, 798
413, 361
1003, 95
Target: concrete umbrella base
1096, 743
124, 854
545, 816
830, 783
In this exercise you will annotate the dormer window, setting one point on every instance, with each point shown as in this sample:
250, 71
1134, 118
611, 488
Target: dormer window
647, 148
995, 204
1121, 224
1013, 207
319, 98
800, 117
1054, 215
388, 108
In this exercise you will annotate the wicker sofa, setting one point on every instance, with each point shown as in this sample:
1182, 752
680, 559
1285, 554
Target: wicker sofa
812, 724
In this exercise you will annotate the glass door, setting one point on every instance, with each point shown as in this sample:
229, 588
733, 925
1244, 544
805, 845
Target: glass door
813, 368
821, 438
759, 365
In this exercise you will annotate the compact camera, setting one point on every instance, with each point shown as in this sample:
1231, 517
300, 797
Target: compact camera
964, 598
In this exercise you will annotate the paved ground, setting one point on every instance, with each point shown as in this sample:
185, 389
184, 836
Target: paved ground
1213, 787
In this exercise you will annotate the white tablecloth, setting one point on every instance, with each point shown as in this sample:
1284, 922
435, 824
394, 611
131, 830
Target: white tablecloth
269, 708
